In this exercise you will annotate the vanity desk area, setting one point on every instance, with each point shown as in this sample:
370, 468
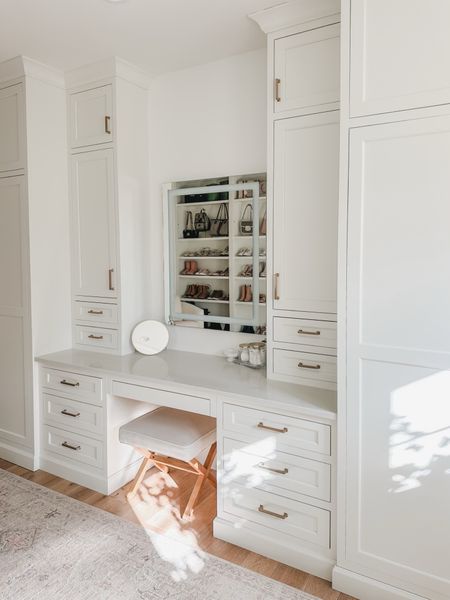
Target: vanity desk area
276, 441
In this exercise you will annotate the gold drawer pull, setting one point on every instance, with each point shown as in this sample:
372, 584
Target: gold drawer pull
95, 337
277, 90
303, 332
67, 445
71, 383
262, 426
284, 471
69, 414
272, 514
303, 366
95, 312
107, 124
276, 295
110, 281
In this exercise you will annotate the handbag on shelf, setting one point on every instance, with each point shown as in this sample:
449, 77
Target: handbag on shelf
246, 222
202, 222
219, 225
189, 231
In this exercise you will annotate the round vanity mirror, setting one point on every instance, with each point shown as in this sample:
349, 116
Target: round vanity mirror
150, 337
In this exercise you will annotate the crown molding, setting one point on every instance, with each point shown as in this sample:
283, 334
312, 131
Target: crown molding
107, 69
22, 66
294, 13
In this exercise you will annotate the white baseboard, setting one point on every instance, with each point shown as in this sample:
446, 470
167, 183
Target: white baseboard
23, 457
266, 545
76, 475
365, 588
117, 480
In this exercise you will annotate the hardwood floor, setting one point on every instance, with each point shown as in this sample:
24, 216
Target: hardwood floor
157, 507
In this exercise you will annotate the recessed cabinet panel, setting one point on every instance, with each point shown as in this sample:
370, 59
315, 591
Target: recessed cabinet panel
391, 72
12, 208
12, 128
306, 189
94, 226
307, 70
91, 117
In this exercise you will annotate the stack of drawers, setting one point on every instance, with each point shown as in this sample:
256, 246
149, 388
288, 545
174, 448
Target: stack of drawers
73, 423
96, 325
304, 351
276, 477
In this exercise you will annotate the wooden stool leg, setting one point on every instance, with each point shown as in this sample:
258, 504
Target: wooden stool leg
209, 462
193, 497
140, 476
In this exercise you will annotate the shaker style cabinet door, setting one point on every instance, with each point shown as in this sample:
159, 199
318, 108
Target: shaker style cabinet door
307, 70
90, 117
400, 55
94, 224
398, 356
12, 128
305, 197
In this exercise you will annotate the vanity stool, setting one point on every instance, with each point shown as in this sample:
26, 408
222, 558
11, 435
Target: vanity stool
171, 439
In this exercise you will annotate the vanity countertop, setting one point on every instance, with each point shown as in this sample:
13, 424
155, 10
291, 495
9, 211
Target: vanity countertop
213, 374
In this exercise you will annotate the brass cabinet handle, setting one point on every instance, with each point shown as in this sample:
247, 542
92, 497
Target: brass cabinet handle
95, 312
262, 426
277, 90
303, 366
67, 445
107, 124
69, 414
110, 281
272, 514
95, 337
303, 332
275, 293
284, 471
71, 383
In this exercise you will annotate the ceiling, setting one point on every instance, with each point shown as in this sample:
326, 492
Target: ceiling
157, 35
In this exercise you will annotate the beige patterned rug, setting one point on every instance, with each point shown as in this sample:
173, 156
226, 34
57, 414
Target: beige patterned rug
53, 547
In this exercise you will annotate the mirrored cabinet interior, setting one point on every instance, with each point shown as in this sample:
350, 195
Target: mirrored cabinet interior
216, 253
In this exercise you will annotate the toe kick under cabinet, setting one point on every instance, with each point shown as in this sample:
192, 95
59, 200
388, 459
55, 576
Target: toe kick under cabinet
276, 481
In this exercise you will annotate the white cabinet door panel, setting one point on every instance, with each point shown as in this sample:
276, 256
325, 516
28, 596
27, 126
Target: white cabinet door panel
94, 224
398, 355
12, 128
91, 117
307, 67
306, 185
391, 72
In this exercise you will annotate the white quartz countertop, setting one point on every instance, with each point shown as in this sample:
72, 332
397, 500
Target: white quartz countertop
203, 372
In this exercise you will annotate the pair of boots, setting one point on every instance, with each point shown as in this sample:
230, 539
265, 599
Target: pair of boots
199, 292
246, 294
190, 267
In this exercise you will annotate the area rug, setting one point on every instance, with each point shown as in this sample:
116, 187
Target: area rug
54, 547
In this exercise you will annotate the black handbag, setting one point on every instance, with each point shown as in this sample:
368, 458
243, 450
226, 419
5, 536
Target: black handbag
246, 223
189, 231
202, 222
219, 225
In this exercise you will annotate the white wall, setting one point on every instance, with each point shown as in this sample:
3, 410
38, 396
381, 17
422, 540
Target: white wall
206, 121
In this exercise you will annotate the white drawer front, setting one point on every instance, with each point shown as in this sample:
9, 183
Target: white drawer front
307, 367
305, 332
261, 465
80, 387
280, 431
96, 312
294, 518
72, 445
96, 337
72, 415
157, 397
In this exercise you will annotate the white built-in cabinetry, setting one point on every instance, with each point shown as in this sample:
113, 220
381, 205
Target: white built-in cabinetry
303, 191
107, 123
394, 349
34, 316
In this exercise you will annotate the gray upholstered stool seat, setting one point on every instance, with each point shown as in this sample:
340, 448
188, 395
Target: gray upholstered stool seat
177, 433
172, 439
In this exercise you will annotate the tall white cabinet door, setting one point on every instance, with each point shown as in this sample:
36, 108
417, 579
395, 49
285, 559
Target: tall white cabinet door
307, 70
305, 213
400, 55
94, 224
15, 343
12, 128
398, 369
91, 117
